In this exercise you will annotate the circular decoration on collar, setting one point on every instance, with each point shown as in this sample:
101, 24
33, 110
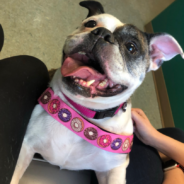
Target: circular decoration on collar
126, 144
64, 115
91, 133
104, 141
45, 97
77, 124
116, 144
54, 106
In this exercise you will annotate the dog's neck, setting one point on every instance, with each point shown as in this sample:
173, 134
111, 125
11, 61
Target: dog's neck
115, 124
96, 114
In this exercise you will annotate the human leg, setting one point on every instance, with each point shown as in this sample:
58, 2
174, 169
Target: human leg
145, 165
22, 80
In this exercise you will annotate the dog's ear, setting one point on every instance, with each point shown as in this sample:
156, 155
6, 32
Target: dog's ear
94, 7
162, 47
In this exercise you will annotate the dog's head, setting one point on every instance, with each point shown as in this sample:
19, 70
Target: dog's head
105, 58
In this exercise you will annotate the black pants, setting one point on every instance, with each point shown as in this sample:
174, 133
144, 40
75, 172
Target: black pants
145, 164
22, 80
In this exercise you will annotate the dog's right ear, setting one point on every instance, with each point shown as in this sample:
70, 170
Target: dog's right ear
1, 37
162, 47
94, 7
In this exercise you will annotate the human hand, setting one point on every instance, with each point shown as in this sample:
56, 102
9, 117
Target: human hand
142, 126
149, 135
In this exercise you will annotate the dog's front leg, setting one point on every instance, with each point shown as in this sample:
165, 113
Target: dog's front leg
102, 177
116, 175
25, 157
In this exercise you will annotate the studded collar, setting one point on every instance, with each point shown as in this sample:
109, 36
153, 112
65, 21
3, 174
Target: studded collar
93, 134
97, 114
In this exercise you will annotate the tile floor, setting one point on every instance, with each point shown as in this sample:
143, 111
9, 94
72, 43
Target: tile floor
39, 28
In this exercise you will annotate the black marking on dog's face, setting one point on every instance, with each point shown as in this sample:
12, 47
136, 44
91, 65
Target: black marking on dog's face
95, 8
134, 49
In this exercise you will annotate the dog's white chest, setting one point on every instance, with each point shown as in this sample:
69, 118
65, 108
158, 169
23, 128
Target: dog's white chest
59, 146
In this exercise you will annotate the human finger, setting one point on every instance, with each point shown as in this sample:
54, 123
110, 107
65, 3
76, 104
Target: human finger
140, 112
136, 117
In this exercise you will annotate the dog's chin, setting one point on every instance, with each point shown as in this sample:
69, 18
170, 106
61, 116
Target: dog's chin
83, 75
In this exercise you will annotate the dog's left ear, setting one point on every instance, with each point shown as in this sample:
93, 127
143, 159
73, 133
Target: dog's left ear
94, 7
162, 47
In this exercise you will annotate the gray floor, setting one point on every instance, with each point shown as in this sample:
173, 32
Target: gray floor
41, 172
39, 28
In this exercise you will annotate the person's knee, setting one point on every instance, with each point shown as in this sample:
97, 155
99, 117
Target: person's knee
24, 65
30, 63
35, 69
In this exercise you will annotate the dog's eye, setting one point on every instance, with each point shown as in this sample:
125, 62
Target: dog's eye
91, 23
131, 47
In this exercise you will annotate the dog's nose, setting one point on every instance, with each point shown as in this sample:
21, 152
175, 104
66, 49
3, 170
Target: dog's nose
104, 33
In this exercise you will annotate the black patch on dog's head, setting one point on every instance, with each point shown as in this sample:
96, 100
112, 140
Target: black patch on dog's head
130, 34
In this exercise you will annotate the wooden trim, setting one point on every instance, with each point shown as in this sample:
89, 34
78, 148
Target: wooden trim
149, 28
161, 91
158, 98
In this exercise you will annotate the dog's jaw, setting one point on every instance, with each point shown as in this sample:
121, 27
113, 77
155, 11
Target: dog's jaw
99, 103
123, 127
84, 75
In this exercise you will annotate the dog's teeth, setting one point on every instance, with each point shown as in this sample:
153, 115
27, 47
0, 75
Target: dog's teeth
81, 82
84, 83
90, 82
103, 83
76, 80
81, 52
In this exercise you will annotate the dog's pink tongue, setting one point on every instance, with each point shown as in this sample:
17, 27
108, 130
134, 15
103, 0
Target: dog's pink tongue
72, 67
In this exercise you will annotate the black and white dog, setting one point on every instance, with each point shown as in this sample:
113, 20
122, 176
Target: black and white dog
104, 62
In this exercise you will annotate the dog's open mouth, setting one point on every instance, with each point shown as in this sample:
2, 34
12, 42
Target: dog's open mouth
82, 70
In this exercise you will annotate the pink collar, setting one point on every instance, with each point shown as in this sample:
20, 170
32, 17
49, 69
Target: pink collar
99, 114
76, 123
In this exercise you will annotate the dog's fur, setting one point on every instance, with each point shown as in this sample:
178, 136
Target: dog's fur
60, 146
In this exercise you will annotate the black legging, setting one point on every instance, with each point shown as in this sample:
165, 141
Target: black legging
22, 80
145, 164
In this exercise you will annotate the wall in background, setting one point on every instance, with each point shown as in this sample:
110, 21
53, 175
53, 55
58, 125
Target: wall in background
171, 21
